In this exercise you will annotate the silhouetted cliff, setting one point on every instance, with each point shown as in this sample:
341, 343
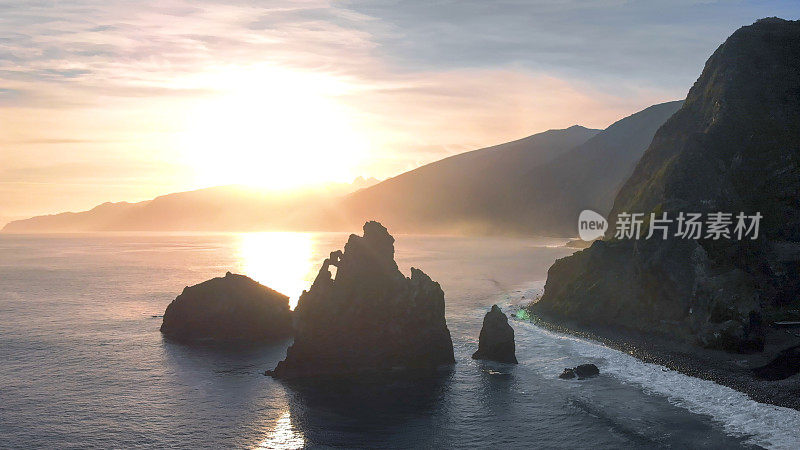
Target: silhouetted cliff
369, 318
733, 147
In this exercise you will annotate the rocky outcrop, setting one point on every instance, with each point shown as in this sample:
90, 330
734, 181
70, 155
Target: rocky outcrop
496, 341
233, 308
786, 364
581, 372
586, 371
567, 374
369, 318
733, 147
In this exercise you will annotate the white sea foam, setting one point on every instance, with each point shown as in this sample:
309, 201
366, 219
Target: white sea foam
761, 424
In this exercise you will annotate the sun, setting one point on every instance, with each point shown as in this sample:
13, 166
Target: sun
284, 261
273, 128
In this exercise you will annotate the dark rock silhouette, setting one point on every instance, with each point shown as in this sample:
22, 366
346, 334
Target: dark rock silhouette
733, 147
496, 340
581, 372
786, 364
233, 308
370, 318
586, 371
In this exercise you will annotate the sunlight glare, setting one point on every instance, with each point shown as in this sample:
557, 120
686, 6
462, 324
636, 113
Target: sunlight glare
273, 128
283, 435
282, 261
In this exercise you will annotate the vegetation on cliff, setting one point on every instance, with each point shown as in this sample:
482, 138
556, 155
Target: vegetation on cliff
733, 147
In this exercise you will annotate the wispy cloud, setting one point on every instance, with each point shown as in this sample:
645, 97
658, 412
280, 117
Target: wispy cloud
108, 85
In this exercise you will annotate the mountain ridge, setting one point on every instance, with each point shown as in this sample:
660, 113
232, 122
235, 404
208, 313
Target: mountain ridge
319, 210
475, 192
443, 196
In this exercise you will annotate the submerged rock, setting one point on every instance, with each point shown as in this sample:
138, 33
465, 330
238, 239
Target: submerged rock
786, 364
370, 318
233, 308
496, 340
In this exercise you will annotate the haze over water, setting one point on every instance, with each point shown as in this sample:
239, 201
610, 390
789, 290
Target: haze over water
84, 363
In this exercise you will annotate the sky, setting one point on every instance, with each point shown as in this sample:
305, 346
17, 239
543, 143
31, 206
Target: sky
104, 100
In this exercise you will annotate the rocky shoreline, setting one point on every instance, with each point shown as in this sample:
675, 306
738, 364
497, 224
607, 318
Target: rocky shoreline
706, 304
727, 369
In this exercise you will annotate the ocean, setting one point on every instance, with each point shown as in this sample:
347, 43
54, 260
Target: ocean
83, 364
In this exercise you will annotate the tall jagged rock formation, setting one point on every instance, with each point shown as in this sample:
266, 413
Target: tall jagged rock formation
370, 317
733, 147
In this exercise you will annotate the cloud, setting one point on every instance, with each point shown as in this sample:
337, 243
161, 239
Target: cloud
123, 45
93, 86
76, 172
57, 141
441, 113
650, 43
113, 48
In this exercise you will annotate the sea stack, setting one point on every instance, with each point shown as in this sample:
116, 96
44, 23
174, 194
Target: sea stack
232, 309
370, 318
496, 342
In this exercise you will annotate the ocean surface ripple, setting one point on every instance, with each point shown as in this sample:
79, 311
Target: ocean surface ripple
84, 364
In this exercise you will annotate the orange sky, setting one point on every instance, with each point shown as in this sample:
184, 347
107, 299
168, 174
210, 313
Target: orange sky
107, 101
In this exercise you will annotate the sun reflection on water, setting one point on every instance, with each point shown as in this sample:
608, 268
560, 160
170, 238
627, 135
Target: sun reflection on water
283, 435
284, 261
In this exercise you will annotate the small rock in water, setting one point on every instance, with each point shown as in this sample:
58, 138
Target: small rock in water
581, 372
586, 370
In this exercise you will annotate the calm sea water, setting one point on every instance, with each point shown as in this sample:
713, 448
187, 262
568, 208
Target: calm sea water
82, 363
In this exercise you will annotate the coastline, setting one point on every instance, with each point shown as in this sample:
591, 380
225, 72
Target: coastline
727, 369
